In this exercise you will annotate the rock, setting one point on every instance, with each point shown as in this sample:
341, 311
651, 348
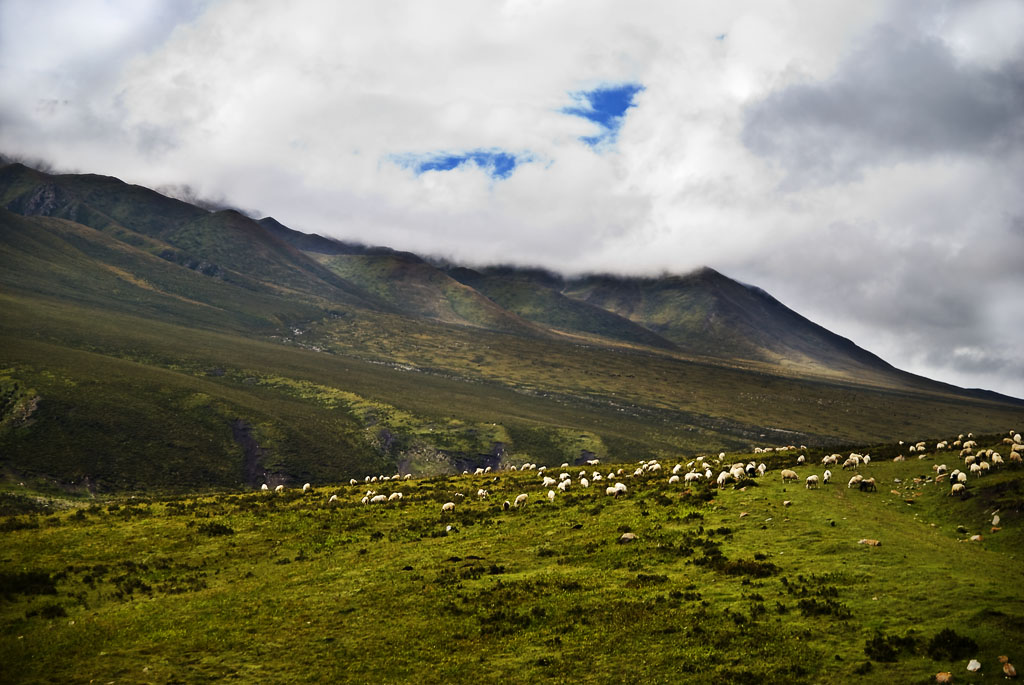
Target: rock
943, 677
1009, 671
976, 538
627, 538
995, 520
1003, 659
973, 665
869, 542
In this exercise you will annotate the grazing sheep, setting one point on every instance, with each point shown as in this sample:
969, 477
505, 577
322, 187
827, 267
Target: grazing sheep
723, 478
899, 457
333, 499
801, 459
673, 479
506, 505
563, 476
265, 488
851, 462
611, 491
352, 481
564, 485
279, 488
447, 507
551, 495
378, 499
548, 482
827, 477
976, 469
866, 459
691, 477
584, 482
855, 481
520, 501
788, 475
394, 496
867, 485
961, 477
811, 482
407, 476
482, 494
366, 499
306, 487
677, 468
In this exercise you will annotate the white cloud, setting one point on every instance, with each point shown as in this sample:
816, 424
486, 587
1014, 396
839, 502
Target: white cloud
299, 110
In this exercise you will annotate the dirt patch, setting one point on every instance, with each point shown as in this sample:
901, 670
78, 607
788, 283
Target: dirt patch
252, 453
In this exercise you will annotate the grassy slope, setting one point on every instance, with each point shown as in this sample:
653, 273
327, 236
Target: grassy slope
132, 403
516, 292
284, 588
707, 313
418, 289
59, 258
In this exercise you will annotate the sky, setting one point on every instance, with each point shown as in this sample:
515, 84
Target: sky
861, 161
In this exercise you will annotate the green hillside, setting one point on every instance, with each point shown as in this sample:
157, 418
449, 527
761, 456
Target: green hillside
534, 297
151, 346
761, 582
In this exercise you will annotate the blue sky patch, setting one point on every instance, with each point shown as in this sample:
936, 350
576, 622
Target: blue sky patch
498, 164
605, 106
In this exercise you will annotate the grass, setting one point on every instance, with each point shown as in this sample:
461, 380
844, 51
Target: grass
719, 586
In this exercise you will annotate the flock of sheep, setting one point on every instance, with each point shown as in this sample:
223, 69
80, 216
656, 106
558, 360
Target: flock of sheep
977, 462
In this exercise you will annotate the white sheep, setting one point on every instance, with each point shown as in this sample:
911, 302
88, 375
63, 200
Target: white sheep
551, 495
378, 499
958, 489
961, 477
265, 488
801, 459
723, 478
352, 481
673, 479
691, 477
564, 476
564, 485
447, 507
677, 468
333, 499
548, 482
826, 478
407, 476
811, 481
366, 499
279, 488
788, 475
855, 481
394, 496
306, 487
520, 501
482, 494
584, 482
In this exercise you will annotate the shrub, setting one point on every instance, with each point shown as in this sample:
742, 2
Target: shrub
213, 529
948, 645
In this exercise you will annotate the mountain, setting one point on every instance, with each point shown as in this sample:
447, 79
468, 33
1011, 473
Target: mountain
149, 343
